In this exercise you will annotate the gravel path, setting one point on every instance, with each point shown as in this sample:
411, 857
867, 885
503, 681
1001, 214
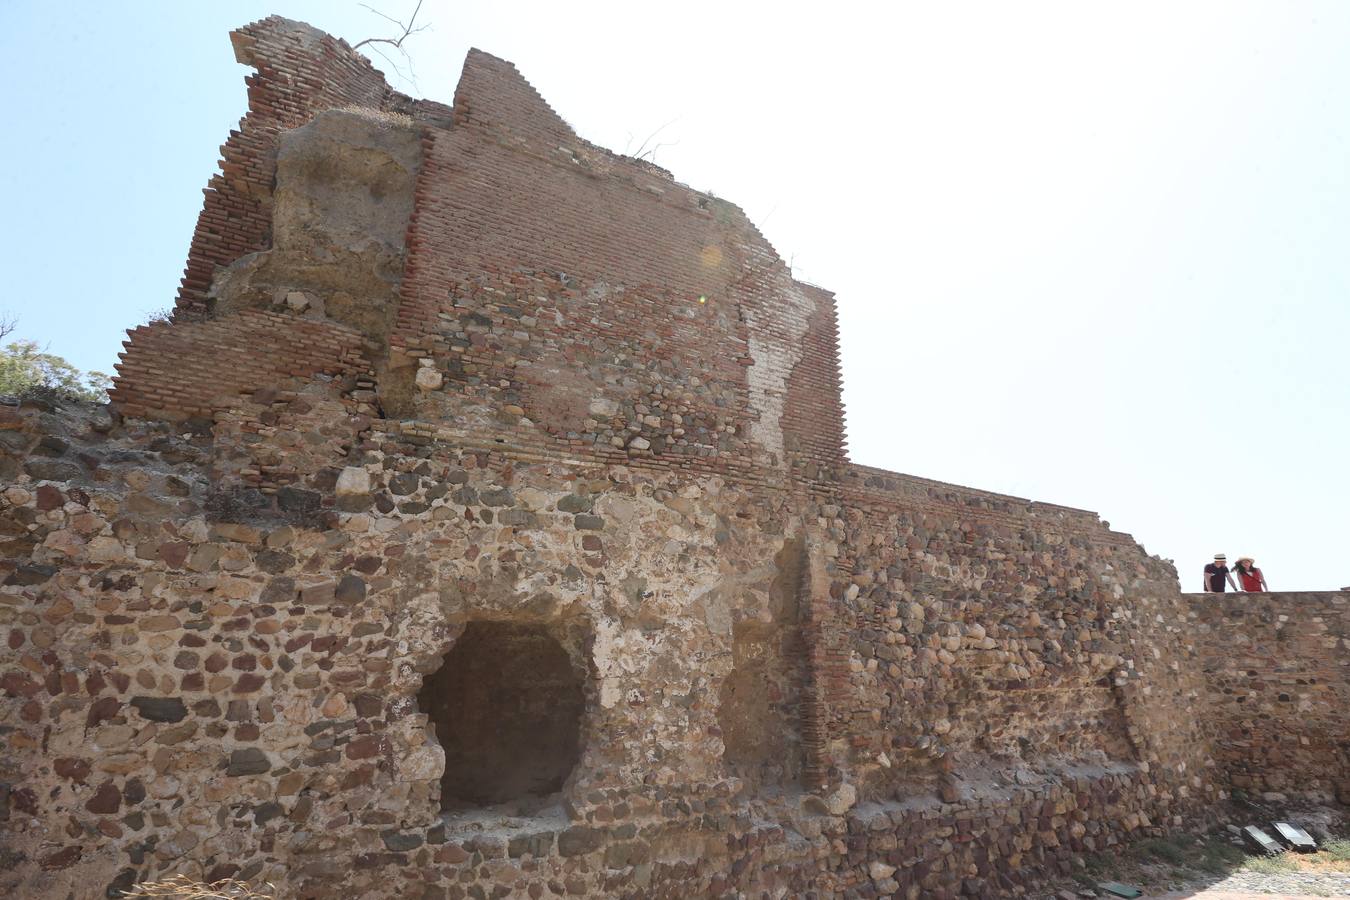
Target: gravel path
1243, 885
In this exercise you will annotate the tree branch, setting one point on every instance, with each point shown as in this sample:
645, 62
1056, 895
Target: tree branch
396, 43
408, 29
643, 146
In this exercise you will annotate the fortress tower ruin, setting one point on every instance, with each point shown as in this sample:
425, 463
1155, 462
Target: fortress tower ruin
481, 525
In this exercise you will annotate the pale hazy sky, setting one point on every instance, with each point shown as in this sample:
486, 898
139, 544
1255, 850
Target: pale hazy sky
1094, 254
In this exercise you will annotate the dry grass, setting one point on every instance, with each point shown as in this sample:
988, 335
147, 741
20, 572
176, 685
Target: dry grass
1271, 865
180, 887
1333, 856
384, 118
1337, 851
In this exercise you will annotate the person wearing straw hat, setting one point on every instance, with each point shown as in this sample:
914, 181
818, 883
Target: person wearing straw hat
1216, 574
1249, 576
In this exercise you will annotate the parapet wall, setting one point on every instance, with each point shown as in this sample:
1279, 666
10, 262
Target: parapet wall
1278, 670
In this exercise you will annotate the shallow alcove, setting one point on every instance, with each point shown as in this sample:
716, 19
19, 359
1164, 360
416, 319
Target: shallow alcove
759, 710
506, 707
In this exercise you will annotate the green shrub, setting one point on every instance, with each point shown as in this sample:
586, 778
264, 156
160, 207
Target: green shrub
27, 371
1337, 850
1270, 865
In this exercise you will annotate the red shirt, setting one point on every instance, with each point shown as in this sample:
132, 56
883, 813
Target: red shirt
1250, 581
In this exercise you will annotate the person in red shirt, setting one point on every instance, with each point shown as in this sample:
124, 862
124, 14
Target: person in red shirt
1249, 576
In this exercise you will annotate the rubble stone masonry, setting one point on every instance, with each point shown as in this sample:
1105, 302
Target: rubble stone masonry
1277, 667
482, 526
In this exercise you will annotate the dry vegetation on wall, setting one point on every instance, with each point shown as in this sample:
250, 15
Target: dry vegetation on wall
460, 418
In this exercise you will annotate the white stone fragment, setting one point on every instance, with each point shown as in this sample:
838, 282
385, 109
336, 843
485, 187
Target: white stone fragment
879, 870
604, 408
422, 764
842, 800
353, 480
429, 379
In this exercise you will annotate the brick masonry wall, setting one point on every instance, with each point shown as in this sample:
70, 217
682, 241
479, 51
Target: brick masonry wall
635, 317
1277, 667
236, 218
299, 72
177, 371
660, 306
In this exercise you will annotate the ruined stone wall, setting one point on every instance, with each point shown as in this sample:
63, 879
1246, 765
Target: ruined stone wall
239, 697
1277, 667
482, 525
235, 690
989, 632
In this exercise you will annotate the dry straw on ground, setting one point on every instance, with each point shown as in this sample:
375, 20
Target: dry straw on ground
180, 887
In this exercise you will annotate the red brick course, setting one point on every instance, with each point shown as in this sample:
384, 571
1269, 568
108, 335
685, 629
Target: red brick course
193, 369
